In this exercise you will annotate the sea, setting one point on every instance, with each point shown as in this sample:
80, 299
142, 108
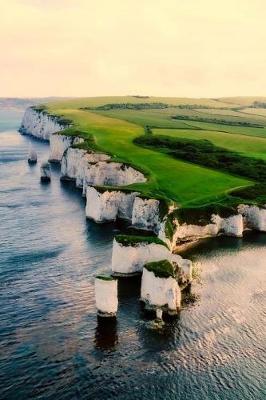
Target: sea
52, 344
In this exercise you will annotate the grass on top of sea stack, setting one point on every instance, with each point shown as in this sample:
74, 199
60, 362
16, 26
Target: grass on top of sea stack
133, 241
161, 269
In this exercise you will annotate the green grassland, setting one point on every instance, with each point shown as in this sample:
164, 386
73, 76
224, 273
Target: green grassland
113, 131
246, 145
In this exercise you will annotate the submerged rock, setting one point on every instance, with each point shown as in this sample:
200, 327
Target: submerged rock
106, 295
45, 172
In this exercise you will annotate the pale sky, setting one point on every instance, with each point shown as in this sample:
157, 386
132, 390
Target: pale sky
191, 48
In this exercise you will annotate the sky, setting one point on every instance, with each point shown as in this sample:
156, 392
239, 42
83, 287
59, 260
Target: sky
182, 48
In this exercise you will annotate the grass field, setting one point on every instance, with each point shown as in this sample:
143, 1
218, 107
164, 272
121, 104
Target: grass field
246, 145
183, 182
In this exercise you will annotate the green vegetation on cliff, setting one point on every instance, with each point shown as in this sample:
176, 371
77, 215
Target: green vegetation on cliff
114, 124
161, 269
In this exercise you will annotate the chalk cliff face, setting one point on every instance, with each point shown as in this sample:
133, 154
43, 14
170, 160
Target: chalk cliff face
254, 217
112, 174
145, 214
59, 144
39, 124
231, 226
73, 165
106, 296
160, 292
109, 205
186, 232
94, 169
131, 259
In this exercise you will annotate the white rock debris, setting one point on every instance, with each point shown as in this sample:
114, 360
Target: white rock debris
106, 296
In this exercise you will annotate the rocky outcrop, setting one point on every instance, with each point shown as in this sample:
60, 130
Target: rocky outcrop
189, 232
59, 143
254, 217
95, 169
129, 259
73, 165
183, 232
106, 296
231, 226
45, 171
160, 292
112, 174
40, 124
109, 205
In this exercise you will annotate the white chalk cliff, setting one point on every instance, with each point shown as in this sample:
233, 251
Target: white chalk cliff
146, 215
230, 226
131, 259
59, 143
96, 169
40, 124
109, 205
254, 217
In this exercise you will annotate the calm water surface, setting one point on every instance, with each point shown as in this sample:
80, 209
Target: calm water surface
51, 344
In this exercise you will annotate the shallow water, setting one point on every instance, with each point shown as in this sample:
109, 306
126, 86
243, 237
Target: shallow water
51, 344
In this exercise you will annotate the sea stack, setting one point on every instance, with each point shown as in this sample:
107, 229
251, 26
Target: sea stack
159, 288
45, 172
106, 295
32, 157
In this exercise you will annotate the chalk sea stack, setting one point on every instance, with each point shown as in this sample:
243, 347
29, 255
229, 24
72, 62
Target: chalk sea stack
45, 172
32, 157
106, 295
159, 288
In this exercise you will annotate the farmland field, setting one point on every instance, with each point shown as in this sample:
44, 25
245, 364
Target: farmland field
115, 122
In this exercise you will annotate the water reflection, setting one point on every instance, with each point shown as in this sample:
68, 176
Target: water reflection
106, 336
